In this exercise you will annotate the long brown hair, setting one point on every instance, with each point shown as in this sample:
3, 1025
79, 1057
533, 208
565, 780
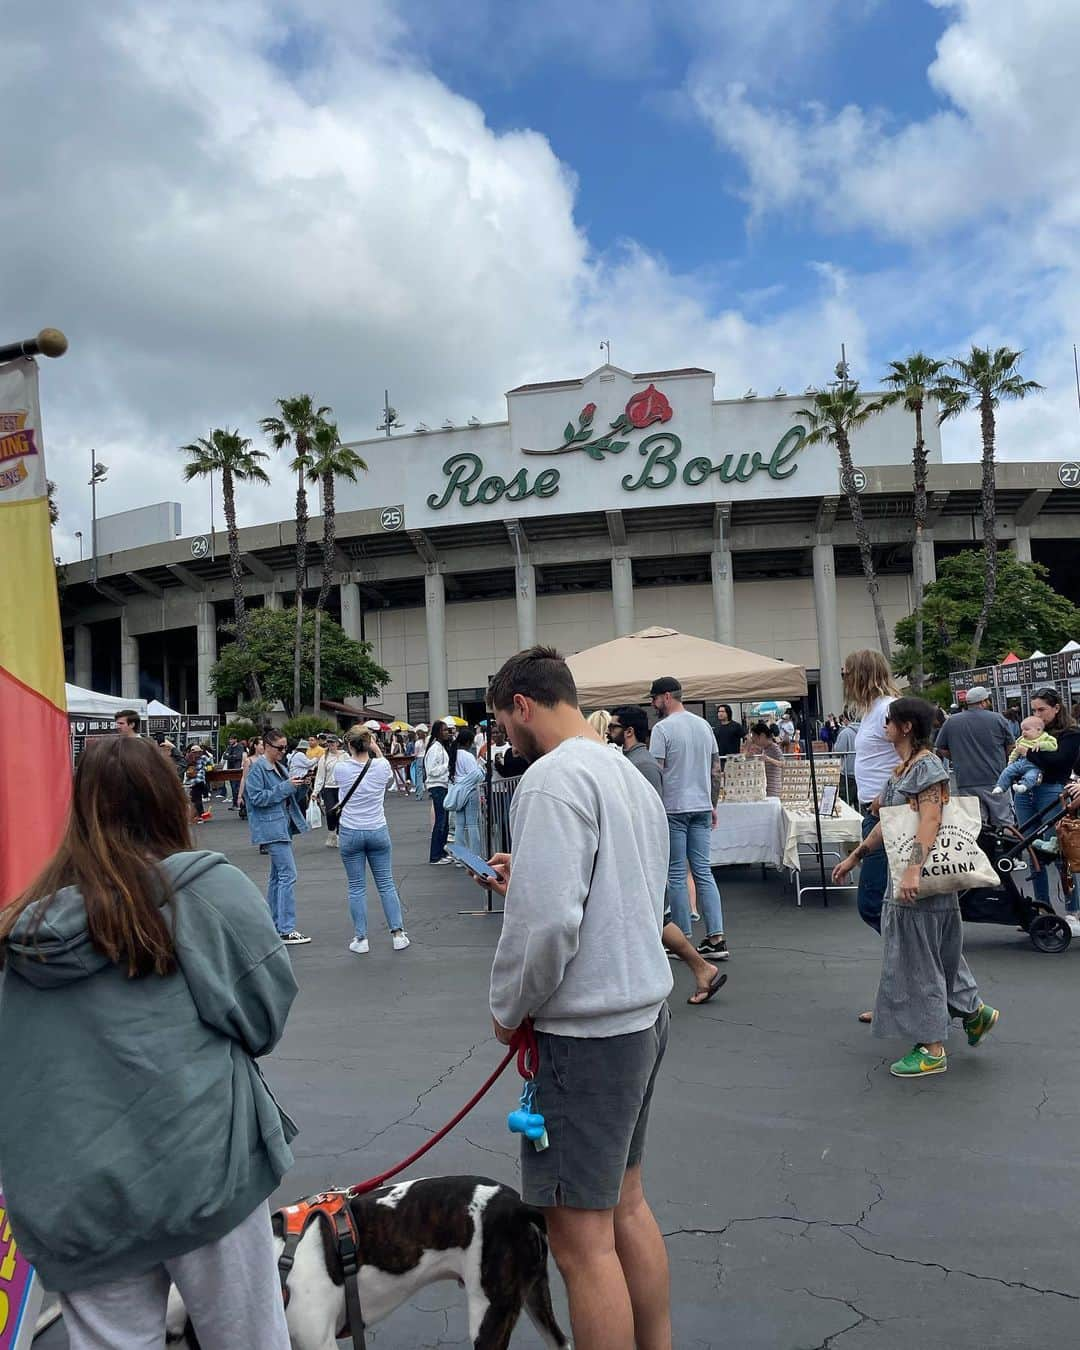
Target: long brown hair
867, 677
1062, 717
128, 812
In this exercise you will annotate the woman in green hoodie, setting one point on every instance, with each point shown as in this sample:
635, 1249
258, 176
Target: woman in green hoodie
140, 1143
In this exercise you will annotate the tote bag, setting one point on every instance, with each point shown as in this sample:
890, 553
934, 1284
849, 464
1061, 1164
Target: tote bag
314, 815
955, 863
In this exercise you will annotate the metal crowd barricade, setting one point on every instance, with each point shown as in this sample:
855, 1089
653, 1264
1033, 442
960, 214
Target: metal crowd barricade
498, 809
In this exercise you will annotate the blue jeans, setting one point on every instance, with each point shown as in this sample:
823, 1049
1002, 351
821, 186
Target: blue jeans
1020, 771
417, 775
440, 831
360, 848
281, 892
1029, 805
688, 833
873, 879
468, 825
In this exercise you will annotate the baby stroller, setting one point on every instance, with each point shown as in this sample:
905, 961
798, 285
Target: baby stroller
1010, 851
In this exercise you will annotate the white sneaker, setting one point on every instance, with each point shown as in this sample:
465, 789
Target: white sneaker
400, 941
442, 862
329, 841
359, 946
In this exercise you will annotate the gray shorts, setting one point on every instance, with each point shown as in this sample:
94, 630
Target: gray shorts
594, 1095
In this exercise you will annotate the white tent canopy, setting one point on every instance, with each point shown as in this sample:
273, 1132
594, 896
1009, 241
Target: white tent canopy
90, 704
622, 671
1070, 646
155, 708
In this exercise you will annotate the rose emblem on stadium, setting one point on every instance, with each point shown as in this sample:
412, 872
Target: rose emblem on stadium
642, 410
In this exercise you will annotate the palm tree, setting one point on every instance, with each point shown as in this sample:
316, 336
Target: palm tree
229, 454
330, 460
297, 425
833, 416
911, 383
983, 379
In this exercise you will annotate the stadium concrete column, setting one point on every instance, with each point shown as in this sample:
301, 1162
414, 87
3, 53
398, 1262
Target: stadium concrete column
205, 654
1022, 543
273, 599
622, 595
723, 595
84, 660
435, 607
129, 660
525, 593
352, 612
832, 685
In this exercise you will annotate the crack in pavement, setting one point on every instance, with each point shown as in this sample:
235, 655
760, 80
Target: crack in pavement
861, 1317
844, 1230
401, 1120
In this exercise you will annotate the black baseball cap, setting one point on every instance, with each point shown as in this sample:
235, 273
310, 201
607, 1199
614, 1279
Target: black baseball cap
666, 684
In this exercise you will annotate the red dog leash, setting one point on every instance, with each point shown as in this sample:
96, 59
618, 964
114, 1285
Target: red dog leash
522, 1048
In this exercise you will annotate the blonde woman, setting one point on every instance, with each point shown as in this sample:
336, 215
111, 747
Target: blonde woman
326, 789
600, 721
869, 687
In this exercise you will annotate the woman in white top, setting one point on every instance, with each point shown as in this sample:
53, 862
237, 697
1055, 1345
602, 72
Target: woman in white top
365, 839
869, 687
326, 789
464, 769
417, 773
437, 780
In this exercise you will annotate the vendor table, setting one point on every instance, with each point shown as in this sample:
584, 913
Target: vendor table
839, 835
769, 833
748, 832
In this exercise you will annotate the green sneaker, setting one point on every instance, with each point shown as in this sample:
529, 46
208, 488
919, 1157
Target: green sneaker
980, 1023
917, 1063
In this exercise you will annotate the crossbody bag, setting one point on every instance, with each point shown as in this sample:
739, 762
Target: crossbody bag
333, 813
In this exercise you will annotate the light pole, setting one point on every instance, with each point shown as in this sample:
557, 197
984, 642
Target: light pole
98, 474
78, 536
391, 421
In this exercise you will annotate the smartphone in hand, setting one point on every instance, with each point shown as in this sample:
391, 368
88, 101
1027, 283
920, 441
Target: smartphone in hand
472, 862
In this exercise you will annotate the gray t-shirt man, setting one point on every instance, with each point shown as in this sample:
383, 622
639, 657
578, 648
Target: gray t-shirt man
685, 746
640, 758
978, 742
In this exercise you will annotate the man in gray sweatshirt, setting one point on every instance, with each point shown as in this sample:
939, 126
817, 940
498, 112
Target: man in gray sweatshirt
580, 954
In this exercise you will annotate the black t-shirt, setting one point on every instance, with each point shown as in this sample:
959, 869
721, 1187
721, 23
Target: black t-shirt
729, 737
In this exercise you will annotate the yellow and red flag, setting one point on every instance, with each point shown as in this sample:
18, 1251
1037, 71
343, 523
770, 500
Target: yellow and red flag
34, 791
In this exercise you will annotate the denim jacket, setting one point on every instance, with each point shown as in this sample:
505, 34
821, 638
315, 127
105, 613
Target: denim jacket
271, 805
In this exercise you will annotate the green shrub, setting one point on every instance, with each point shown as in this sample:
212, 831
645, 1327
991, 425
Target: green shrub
304, 727
247, 731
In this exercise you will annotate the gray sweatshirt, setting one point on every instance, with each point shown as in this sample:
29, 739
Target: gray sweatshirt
580, 949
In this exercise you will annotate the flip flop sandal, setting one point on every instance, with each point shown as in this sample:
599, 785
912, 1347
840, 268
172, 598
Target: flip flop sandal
715, 985
866, 1017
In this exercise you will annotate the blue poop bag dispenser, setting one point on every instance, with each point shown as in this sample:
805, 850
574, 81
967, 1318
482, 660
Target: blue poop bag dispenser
526, 1120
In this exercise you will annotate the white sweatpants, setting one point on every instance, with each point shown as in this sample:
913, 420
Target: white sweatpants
230, 1287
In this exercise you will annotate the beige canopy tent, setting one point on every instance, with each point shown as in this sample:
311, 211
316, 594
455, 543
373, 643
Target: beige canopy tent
622, 671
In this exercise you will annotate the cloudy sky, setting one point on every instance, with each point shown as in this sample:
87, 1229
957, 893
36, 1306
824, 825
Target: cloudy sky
221, 204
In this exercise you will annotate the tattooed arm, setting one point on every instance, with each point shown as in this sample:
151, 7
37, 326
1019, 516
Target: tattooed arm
928, 804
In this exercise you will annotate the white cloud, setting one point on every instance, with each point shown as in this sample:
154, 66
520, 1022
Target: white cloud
1005, 138
975, 207
223, 204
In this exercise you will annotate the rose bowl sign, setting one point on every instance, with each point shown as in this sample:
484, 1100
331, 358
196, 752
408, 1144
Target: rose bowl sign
468, 484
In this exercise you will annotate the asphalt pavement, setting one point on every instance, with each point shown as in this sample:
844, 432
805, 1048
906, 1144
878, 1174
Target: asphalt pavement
809, 1199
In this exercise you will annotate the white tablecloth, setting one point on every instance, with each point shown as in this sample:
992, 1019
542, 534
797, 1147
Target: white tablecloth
838, 831
766, 832
748, 832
